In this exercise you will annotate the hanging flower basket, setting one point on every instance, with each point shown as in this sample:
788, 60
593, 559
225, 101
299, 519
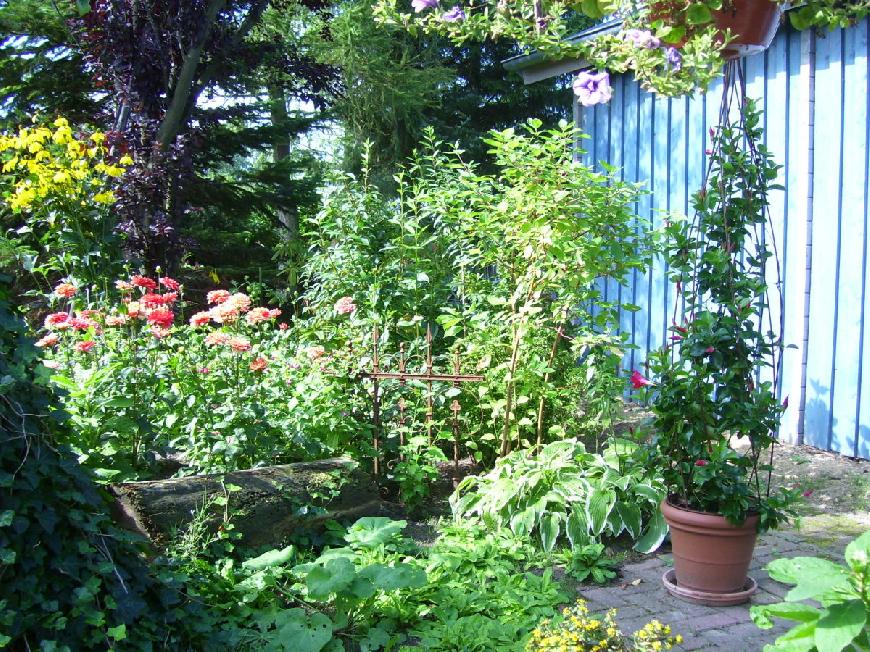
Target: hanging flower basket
753, 24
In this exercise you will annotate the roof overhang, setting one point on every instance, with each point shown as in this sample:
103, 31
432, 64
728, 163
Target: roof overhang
534, 67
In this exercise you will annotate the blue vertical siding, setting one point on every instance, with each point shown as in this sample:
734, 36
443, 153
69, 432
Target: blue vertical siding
814, 91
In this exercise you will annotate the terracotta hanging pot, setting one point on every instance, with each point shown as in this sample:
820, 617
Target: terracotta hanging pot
711, 556
753, 22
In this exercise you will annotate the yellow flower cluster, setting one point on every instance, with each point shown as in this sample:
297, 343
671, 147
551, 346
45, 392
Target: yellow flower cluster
655, 636
41, 164
577, 631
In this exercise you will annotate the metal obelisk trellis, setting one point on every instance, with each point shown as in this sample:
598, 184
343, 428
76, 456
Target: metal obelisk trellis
403, 376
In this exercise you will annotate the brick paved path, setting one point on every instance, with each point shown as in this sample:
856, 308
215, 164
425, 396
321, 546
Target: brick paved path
708, 627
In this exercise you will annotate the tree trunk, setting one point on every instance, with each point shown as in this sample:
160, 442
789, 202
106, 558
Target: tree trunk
179, 105
281, 150
270, 504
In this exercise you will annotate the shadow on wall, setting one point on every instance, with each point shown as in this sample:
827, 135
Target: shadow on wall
818, 426
863, 446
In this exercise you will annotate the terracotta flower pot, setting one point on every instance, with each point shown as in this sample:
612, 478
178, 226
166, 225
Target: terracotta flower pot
711, 556
754, 22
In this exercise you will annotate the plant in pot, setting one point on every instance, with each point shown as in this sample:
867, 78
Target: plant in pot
713, 397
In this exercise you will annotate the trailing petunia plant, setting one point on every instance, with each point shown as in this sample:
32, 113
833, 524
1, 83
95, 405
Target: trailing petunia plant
672, 46
715, 382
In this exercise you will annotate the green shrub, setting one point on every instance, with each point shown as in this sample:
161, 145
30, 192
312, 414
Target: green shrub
564, 490
69, 577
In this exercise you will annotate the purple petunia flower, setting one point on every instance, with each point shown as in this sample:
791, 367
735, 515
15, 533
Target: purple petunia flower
674, 58
454, 15
642, 38
592, 88
422, 5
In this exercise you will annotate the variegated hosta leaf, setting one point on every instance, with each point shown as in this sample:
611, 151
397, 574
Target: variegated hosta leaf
656, 530
599, 502
577, 528
631, 517
549, 527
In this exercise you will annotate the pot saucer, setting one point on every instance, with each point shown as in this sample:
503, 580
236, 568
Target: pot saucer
710, 599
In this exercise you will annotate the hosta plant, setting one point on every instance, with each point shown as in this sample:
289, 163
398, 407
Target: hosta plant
565, 491
842, 621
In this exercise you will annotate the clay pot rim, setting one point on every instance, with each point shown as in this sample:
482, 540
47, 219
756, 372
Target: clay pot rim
711, 519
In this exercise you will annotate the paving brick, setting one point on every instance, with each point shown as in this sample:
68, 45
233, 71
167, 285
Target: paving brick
693, 642
713, 621
773, 587
651, 563
607, 597
763, 596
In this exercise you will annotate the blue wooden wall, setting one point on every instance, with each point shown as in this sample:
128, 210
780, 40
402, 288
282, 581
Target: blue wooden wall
814, 92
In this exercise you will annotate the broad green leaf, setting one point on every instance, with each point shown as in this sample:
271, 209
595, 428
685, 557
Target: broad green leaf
858, 552
270, 559
797, 639
803, 18
549, 527
333, 577
392, 578
577, 529
591, 8
372, 531
118, 633
674, 34
656, 530
522, 523
615, 524
303, 633
599, 502
698, 14
842, 623
812, 576
63, 381
650, 493
804, 613
6, 517
630, 515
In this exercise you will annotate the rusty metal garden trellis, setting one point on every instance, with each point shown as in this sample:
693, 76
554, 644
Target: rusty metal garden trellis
429, 377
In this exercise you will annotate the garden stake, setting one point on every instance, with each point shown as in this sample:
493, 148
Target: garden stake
455, 408
429, 377
376, 408
540, 425
402, 384
429, 410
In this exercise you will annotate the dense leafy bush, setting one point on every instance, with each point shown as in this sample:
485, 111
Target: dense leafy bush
494, 265
70, 578
564, 490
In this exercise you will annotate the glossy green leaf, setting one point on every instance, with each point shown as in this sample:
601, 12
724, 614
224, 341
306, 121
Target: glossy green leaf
839, 625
